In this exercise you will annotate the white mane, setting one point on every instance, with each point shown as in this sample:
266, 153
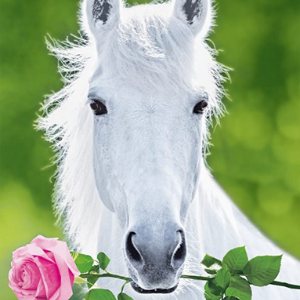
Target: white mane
67, 122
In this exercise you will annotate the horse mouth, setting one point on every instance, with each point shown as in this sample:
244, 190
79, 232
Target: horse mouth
140, 290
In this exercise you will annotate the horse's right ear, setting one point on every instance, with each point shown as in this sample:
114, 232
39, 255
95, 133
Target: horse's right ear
100, 14
197, 14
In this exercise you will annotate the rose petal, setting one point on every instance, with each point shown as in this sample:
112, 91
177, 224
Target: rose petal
66, 286
18, 291
44, 243
31, 276
41, 292
50, 276
65, 263
61, 249
24, 275
28, 251
59, 252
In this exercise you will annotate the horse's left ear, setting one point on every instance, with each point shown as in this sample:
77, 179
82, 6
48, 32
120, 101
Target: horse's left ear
197, 14
100, 15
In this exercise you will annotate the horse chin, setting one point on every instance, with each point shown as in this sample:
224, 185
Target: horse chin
140, 290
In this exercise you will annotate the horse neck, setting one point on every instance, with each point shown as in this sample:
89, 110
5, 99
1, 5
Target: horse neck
215, 220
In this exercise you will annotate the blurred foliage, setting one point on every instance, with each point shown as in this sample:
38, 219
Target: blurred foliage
256, 149
256, 153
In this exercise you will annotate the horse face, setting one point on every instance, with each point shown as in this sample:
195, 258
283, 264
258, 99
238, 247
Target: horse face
147, 143
147, 153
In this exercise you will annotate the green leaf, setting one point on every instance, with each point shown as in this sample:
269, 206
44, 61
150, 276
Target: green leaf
74, 254
82, 261
262, 270
99, 294
231, 298
214, 288
103, 260
123, 296
92, 280
209, 295
240, 288
210, 264
223, 278
236, 259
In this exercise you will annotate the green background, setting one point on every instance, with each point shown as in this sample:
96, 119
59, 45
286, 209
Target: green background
256, 149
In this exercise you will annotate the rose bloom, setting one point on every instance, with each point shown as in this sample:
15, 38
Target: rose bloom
43, 269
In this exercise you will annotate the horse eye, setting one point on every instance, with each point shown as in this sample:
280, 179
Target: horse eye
98, 108
200, 107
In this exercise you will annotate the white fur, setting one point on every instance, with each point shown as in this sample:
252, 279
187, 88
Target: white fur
150, 68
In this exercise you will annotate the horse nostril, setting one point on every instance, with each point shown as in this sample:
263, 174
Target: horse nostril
131, 250
180, 252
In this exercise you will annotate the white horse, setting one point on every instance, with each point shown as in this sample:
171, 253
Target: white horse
131, 130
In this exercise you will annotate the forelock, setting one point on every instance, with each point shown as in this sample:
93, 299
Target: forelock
151, 44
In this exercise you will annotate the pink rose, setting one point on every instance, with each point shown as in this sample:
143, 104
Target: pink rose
43, 269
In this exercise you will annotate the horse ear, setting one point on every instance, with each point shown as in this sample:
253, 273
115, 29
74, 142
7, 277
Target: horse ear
100, 14
197, 14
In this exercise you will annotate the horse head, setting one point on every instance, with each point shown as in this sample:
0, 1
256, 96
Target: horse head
150, 94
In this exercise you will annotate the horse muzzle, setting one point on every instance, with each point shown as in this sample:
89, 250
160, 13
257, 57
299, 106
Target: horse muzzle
155, 258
